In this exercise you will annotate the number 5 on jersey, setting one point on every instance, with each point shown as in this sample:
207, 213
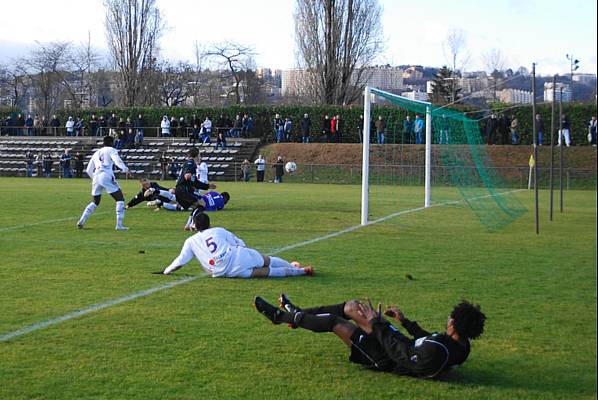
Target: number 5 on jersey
211, 244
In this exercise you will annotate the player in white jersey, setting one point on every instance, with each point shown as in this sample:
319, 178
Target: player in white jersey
100, 171
202, 171
224, 255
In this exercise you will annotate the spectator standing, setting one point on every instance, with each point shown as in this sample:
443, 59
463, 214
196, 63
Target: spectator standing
444, 130
249, 125
407, 130
491, 127
514, 134
305, 124
380, 128
79, 126
129, 132
174, 125
326, 128
539, 128
29, 125
360, 128
220, 124
332, 130
79, 159
163, 166
260, 167
418, 129
93, 125
43, 126
29, 159
20, 122
102, 126
112, 124
37, 125
288, 129
206, 130
194, 134
278, 169
338, 126
245, 125
65, 163
54, 124
278, 128
140, 130
237, 127
39, 163
48, 165
165, 127
183, 127
245, 168
592, 132
566, 124
504, 125
70, 127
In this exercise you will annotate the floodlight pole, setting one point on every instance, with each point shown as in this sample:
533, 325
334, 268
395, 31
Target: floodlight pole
561, 145
535, 147
552, 145
365, 156
428, 171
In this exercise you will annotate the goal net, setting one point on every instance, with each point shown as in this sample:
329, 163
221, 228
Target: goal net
435, 156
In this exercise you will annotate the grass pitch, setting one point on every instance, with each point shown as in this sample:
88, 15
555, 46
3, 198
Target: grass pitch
202, 339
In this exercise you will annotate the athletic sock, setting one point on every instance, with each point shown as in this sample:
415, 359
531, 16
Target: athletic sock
166, 194
277, 262
189, 222
86, 213
314, 322
283, 271
335, 309
120, 212
170, 207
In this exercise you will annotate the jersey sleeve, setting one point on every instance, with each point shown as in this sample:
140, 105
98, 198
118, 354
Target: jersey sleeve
118, 161
414, 329
90, 167
136, 200
184, 257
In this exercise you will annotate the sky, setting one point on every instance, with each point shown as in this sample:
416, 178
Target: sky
525, 31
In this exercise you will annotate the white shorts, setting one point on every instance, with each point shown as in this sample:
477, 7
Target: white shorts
103, 181
244, 262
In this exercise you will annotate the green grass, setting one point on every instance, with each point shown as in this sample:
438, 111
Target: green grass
204, 340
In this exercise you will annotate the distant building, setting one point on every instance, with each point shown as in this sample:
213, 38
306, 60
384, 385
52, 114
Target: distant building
549, 92
472, 82
416, 95
514, 96
413, 73
294, 82
585, 78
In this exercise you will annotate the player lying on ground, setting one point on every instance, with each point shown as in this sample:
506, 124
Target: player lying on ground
210, 201
100, 170
151, 191
188, 184
377, 344
224, 255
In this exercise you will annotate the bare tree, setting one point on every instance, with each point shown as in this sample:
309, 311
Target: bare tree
133, 29
234, 58
173, 83
455, 46
336, 41
86, 60
494, 61
12, 85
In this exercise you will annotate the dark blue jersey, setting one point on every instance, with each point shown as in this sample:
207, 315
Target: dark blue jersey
188, 166
214, 201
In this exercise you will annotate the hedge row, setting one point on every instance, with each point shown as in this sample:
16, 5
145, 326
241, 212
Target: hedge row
579, 115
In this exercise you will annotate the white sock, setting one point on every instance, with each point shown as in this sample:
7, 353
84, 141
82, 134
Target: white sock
189, 222
171, 207
120, 212
284, 271
167, 194
86, 213
277, 262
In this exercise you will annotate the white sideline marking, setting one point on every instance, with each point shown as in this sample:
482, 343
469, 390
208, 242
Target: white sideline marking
50, 221
96, 307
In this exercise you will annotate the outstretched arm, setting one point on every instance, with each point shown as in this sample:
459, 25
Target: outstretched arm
183, 258
411, 326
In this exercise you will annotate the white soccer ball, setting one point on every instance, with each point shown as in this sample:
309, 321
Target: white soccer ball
290, 166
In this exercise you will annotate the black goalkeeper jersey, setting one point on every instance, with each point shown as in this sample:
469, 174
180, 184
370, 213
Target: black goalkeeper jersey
426, 355
140, 196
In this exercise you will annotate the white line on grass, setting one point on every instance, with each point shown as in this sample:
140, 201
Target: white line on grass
50, 221
96, 307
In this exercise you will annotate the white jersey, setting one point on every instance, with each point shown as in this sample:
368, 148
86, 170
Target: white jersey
220, 253
260, 164
103, 160
202, 172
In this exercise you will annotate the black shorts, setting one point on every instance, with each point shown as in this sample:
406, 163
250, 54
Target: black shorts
184, 198
367, 351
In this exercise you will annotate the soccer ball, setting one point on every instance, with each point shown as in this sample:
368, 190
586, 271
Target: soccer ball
290, 166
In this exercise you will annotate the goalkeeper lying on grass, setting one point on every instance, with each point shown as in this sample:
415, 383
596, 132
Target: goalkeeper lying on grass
375, 343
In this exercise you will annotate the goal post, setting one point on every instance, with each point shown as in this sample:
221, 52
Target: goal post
445, 150
367, 107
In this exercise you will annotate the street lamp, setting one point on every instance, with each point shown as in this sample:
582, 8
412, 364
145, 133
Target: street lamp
574, 66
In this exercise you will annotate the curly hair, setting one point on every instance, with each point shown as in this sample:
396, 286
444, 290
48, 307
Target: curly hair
468, 320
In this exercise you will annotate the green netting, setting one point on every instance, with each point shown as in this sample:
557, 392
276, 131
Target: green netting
459, 160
